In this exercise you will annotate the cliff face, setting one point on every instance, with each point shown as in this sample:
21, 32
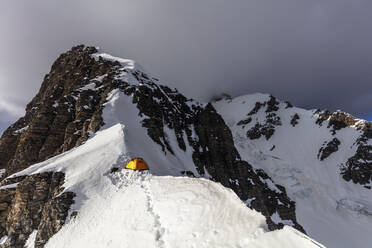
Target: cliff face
68, 108
60, 116
214, 154
38, 203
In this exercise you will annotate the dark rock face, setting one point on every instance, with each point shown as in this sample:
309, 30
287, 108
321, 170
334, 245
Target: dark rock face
244, 122
294, 120
256, 108
35, 204
267, 127
218, 156
214, 152
358, 168
53, 217
336, 121
328, 149
6, 197
261, 130
60, 116
323, 115
272, 105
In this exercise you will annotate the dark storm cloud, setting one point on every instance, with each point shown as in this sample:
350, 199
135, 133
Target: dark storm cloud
317, 54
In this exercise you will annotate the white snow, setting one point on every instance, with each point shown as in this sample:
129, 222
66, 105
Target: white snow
3, 239
9, 186
100, 78
272, 186
316, 186
30, 243
155, 208
126, 63
21, 130
90, 86
276, 219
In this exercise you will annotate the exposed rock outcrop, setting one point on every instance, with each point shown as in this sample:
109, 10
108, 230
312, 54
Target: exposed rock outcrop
328, 149
61, 115
337, 120
358, 168
36, 203
267, 127
214, 152
294, 120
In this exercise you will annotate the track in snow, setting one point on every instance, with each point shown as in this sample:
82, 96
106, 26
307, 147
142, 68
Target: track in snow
126, 178
159, 233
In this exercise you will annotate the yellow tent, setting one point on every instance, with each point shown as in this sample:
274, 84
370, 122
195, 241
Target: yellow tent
137, 164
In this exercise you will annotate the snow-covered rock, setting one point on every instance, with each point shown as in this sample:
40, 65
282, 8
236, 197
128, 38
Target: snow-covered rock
309, 159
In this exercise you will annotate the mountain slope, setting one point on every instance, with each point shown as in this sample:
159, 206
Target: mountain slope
137, 209
86, 91
324, 160
62, 165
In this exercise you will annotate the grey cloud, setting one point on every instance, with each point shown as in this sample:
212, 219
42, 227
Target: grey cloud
317, 54
5, 120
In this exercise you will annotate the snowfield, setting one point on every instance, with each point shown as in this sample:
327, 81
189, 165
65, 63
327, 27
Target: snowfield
331, 210
150, 209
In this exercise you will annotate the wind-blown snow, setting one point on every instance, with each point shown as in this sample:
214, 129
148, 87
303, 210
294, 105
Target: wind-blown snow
155, 208
331, 210
126, 63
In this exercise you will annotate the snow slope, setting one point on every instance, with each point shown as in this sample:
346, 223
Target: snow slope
151, 209
333, 211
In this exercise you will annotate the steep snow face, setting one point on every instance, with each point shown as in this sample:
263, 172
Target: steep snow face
192, 137
120, 109
139, 209
307, 158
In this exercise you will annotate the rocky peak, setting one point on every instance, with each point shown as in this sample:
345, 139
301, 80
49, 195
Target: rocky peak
62, 113
68, 108
339, 119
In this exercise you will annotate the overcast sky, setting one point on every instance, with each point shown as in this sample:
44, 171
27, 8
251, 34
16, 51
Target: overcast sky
314, 53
